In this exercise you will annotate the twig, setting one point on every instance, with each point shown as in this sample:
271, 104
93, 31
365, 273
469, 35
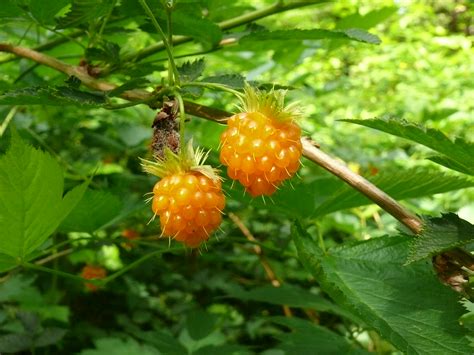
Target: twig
263, 260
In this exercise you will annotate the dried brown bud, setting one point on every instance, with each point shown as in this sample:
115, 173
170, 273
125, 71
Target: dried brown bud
165, 130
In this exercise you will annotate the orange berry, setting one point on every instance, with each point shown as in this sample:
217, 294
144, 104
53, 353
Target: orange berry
189, 208
260, 151
160, 203
91, 272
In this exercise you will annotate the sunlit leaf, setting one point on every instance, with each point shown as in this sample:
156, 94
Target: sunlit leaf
32, 204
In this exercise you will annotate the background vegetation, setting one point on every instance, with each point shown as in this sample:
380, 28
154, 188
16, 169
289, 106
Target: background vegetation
247, 291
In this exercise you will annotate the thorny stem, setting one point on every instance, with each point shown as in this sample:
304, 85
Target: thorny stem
173, 75
310, 151
263, 260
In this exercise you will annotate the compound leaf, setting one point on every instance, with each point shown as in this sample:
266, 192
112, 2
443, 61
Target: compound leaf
370, 280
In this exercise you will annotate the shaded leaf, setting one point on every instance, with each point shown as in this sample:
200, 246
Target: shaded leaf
200, 324
51, 95
44, 11
119, 346
369, 279
49, 336
196, 27
235, 81
7, 262
10, 10
309, 338
189, 71
458, 154
31, 198
94, 210
129, 85
440, 234
108, 52
314, 34
368, 20
83, 11
289, 295
223, 349
13, 343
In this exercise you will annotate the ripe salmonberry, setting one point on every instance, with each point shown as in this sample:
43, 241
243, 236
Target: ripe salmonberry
91, 272
188, 199
261, 146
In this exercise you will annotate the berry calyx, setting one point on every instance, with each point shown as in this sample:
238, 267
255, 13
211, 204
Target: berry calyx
261, 146
188, 199
93, 272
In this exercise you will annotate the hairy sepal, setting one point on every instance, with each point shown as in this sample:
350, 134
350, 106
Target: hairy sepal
186, 160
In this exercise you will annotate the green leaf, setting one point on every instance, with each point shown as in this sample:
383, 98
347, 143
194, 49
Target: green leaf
13, 343
83, 11
129, 85
457, 154
108, 52
31, 198
52, 95
440, 234
467, 319
7, 262
10, 10
200, 324
94, 210
289, 295
119, 346
353, 34
309, 338
367, 21
235, 81
197, 27
370, 280
400, 184
49, 336
223, 349
189, 71
44, 11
